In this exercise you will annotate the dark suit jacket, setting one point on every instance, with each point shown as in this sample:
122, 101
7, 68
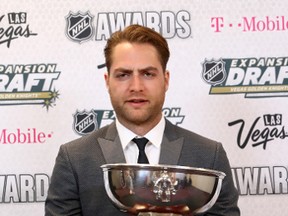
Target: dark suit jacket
77, 186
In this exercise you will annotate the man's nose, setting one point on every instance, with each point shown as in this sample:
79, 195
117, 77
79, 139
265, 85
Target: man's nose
136, 83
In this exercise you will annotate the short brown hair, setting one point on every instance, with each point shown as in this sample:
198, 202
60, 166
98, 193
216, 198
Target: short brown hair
138, 34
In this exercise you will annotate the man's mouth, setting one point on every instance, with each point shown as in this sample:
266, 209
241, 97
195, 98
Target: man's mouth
137, 101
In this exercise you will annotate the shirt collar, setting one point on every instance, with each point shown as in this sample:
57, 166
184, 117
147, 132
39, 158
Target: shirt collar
155, 135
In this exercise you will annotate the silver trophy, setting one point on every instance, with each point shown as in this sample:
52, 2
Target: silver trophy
161, 190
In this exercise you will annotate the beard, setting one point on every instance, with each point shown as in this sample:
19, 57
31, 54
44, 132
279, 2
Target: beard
142, 116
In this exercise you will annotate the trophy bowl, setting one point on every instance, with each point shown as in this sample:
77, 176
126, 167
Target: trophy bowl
143, 189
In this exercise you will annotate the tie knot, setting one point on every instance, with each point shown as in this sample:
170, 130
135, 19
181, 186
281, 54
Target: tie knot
141, 142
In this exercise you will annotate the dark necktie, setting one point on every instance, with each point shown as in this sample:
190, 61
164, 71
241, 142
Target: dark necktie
141, 143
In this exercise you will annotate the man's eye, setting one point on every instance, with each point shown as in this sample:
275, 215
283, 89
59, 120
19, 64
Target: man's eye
149, 74
122, 75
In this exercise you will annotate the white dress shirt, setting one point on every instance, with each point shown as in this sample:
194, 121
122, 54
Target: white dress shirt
152, 148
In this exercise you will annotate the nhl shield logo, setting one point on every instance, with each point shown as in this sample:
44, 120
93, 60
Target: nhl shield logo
85, 122
214, 72
79, 26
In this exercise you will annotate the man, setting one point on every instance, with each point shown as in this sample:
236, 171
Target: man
137, 81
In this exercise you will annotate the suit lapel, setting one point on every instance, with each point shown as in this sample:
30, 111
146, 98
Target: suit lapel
170, 151
171, 146
111, 146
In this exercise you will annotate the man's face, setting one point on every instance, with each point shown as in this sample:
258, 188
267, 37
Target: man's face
137, 84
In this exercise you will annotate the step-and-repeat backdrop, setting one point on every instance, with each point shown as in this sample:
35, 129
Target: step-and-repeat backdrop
229, 82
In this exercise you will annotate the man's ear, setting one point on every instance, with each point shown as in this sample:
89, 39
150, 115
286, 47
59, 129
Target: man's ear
106, 77
167, 78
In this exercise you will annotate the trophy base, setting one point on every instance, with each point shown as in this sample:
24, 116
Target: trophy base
148, 210
157, 214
